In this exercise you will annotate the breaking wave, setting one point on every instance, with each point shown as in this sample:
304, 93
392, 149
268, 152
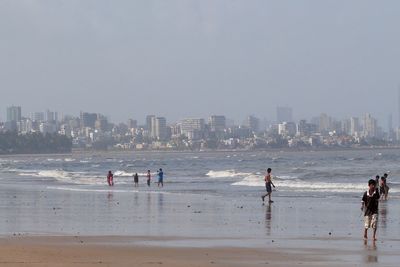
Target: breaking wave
226, 174
294, 184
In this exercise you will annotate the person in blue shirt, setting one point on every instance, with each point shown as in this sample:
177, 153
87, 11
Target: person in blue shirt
160, 178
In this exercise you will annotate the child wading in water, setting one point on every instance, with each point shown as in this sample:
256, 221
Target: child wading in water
370, 202
268, 183
110, 178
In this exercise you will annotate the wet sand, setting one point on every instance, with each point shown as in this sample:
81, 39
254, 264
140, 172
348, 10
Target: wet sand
126, 251
117, 228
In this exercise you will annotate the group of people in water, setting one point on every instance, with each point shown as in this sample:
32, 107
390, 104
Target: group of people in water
160, 178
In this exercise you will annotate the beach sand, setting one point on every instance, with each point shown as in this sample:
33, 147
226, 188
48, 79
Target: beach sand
124, 251
117, 228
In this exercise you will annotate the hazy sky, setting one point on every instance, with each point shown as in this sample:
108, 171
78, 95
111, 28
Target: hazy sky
181, 58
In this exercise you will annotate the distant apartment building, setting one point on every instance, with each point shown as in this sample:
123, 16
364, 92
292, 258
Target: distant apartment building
325, 123
25, 126
51, 116
13, 113
132, 124
217, 123
284, 114
306, 129
354, 126
370, 127
159, 129
252, 123
192, 128
66, 130
101, 123
287, 129
87, 120
176, 130
149, 122
37, 116
47, 128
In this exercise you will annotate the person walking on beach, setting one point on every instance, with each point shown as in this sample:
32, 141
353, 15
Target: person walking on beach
369, 205
160, 178
110, 178
136, 179
148, 178
268, 183
384, 188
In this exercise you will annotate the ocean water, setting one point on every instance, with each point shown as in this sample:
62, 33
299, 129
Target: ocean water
240, 174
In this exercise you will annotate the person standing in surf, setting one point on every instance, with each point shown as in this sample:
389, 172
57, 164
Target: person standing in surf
110, 178
377, 180
268, 183
136, 179
384, 188
160, 178
369, 204
148, 178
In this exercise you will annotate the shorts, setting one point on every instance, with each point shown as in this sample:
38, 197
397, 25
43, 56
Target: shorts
382, 190
370, 221
268, 187
160, 180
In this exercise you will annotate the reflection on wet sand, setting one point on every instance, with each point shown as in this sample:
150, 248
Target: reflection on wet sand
371, 252
268, 218
383, 216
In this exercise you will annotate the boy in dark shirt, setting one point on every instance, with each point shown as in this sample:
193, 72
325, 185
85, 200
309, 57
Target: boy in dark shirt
370, 201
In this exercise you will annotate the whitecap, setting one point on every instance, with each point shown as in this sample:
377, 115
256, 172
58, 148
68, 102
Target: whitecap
225, 174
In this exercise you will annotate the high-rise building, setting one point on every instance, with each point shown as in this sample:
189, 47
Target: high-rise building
132, 124
354, 126
217, 123
190, 125
37, 116
13, 113
284, 114
305, 129
325, 123
287, 128
253, 123
51, 116
149, 120
101, 123
160, 131
88, 120
370, 126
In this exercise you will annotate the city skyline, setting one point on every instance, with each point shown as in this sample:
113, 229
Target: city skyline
272, 118
224, 57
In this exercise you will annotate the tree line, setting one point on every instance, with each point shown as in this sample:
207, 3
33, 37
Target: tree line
34, 143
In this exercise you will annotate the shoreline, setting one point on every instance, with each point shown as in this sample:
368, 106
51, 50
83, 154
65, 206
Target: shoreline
273, 150
83, 151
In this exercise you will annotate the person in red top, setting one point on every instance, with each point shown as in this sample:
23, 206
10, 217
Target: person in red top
110, 178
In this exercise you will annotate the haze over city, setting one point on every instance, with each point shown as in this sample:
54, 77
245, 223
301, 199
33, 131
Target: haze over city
127, 59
